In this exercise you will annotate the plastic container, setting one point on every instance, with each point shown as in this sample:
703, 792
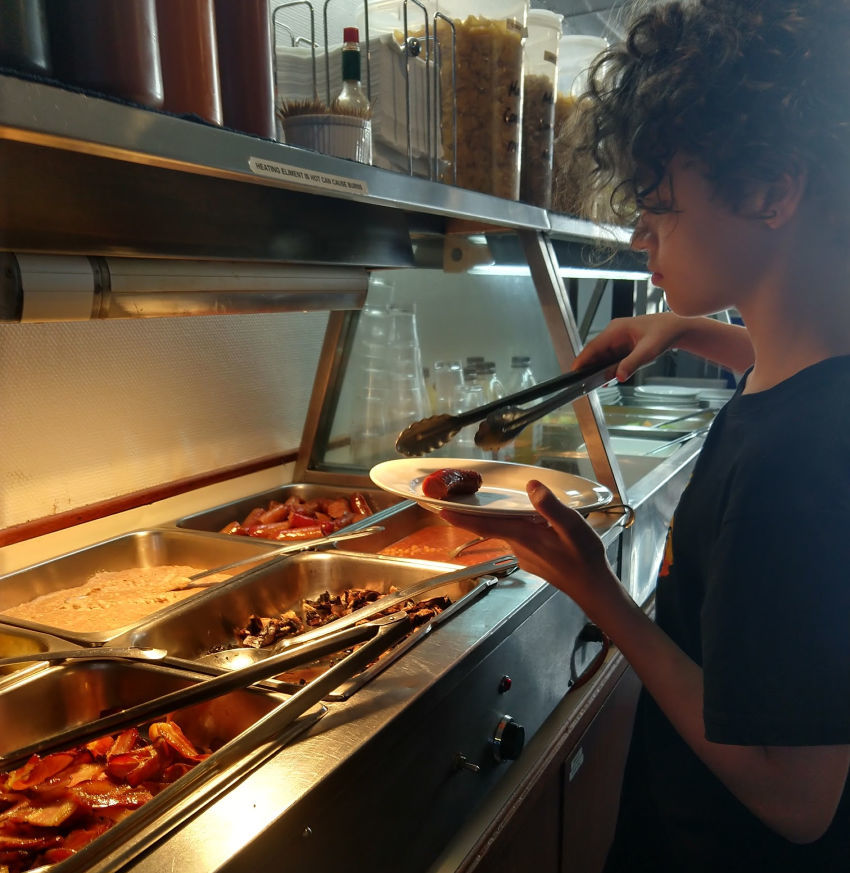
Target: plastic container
484, 95
387, 16
189, 55
538, 106
107, 46
23, 36
244, 36
576, 53
527, 441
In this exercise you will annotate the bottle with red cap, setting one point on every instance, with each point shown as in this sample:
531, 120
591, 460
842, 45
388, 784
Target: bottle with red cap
352, 99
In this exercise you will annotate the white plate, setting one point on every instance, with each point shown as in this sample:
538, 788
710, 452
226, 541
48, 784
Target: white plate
503, 485
676, 391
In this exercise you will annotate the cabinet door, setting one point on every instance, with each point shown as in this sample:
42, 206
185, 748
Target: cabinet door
592, 778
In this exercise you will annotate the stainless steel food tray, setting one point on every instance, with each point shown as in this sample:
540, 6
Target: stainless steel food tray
217, 517
21, 641
66, 696
141, 548
196, 626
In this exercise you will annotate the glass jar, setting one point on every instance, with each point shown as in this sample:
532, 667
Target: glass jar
538, 106
23, 36
108, 47
482, 93
189, 55
243, 29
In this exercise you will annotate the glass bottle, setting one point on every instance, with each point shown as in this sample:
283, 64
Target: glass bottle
471, 397
521, 375
448, 382
352, 99
527, 441
493, 387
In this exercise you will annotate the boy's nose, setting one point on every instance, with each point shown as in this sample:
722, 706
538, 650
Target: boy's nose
640, 235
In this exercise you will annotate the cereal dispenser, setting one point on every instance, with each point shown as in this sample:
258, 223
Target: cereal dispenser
481, 93
538, 106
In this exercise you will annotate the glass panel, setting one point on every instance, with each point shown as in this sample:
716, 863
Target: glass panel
429, 342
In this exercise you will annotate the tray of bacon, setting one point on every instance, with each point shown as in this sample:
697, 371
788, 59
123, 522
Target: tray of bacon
57, 804
292, 513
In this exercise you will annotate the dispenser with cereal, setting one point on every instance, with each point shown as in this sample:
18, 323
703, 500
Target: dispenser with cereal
538, 106
481, 94
576, 53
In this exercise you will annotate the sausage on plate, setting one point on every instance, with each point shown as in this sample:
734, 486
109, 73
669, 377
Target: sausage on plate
451, 482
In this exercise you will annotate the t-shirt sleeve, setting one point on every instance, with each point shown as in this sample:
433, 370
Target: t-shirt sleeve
775, 622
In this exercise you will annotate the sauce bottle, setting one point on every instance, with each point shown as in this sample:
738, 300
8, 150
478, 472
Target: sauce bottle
110, 46
243, 28
352, 99
189, 55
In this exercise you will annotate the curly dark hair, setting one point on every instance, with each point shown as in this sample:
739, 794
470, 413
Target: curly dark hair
750, 88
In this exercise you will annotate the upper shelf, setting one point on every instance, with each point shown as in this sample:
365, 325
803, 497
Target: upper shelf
89, 175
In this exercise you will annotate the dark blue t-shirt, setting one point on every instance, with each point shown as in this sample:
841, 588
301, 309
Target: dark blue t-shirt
754, 587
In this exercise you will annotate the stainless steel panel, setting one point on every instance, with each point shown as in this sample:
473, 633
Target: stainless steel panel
195, 626
142, 548
657, 419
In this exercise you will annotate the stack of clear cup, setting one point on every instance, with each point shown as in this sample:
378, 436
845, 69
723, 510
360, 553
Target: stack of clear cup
408, 393
370, 441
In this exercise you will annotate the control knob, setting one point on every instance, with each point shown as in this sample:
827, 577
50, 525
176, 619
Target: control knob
508, 739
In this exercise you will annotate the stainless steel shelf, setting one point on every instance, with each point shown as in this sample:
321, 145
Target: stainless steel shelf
88, 174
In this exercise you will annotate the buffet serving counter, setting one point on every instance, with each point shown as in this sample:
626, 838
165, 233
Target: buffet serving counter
382, 776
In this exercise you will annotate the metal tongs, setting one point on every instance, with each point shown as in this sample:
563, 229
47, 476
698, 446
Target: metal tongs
373, 638
502, 420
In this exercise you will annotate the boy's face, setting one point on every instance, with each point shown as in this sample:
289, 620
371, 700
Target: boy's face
705, 257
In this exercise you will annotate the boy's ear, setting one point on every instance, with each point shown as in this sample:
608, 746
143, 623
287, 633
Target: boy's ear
778, 201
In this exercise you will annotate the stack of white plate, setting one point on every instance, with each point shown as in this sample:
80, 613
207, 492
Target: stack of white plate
665, 393
608, 394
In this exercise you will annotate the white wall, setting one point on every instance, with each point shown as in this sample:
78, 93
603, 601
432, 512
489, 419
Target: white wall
94, 410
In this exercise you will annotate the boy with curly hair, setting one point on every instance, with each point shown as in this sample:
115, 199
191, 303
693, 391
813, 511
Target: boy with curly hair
721, 130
